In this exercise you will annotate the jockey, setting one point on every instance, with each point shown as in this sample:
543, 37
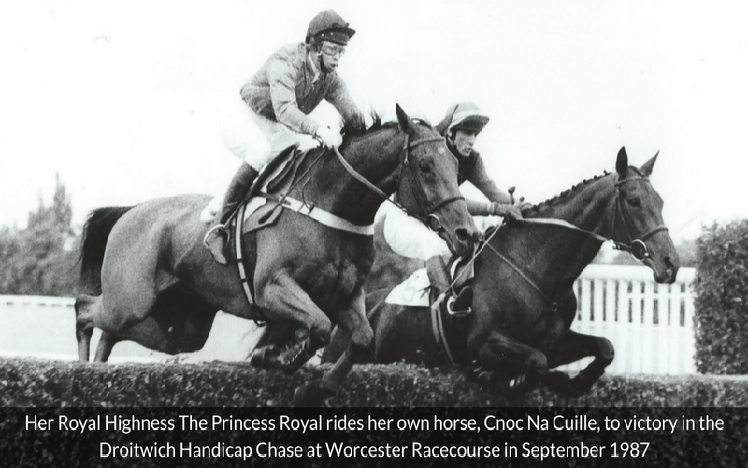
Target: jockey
410, 238
273, 111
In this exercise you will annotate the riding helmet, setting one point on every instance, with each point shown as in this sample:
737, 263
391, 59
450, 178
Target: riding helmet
329, 26
463, 116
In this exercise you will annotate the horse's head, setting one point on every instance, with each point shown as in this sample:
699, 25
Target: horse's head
428, 185
638, 224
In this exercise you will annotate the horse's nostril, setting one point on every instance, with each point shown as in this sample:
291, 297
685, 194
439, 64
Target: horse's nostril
462, 234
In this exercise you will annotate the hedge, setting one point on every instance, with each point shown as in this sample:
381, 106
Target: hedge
47, 390
721, 304
30, 382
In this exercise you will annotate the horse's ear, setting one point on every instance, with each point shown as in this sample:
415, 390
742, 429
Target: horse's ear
647, 167
406, 124
622, 163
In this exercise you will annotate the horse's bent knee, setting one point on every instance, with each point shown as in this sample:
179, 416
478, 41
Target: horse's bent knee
536, 362
362, 336
607, 351
322, 333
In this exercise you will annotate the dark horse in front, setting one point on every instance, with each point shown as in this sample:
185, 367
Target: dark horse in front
524, 301
158, 285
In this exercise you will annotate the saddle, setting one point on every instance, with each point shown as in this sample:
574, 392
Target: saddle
276, 178
260, 209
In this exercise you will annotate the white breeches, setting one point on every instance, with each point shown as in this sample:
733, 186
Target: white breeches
410, 238
254, 138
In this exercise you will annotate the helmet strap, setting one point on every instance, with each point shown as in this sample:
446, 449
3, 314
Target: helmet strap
321, 61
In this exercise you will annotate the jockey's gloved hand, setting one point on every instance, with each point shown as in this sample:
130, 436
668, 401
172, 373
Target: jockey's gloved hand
329, 137
510, 212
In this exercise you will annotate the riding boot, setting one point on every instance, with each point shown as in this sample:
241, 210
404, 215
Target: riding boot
456, 304
217, 236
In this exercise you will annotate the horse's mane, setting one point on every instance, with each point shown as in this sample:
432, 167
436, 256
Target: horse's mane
566, 194
351, 133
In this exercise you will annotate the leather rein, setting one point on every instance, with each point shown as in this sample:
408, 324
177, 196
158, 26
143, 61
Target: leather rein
430, 219
635, 245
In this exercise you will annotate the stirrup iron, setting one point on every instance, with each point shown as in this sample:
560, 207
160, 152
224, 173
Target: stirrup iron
217, 227
457, 313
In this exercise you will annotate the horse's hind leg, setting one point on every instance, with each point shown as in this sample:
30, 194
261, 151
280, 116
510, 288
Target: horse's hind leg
85, 307
571, 347
104, 348
83, 326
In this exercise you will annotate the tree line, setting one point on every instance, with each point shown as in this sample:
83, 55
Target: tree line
41, 259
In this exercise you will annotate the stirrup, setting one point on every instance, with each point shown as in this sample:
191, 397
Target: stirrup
467, 295
218, 229
456, 313
215, 241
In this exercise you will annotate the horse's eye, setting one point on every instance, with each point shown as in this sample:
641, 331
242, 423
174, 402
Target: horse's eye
634, 201
424, 166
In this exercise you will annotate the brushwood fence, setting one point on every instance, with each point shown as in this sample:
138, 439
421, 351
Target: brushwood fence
650, 325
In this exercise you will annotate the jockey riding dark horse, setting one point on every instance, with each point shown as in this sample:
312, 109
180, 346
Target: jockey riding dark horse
460, 127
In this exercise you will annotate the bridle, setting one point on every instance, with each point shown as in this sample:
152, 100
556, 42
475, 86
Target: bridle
430, 218
636, 246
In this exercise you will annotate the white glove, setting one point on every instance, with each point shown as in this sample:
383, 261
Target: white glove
329, 137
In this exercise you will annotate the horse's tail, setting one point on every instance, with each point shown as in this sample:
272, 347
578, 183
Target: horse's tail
93, 245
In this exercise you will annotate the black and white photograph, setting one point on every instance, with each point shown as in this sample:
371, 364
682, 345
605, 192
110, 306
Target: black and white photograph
463, 232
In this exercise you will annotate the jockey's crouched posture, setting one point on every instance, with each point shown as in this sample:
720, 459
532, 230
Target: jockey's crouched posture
271, 110
410, 238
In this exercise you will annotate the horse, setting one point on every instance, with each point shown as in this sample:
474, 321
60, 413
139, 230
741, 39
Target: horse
151, 280
524, 301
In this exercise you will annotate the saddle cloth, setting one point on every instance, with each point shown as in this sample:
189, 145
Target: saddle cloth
414, 291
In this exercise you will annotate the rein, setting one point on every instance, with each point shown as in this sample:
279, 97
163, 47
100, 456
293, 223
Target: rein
635, 247
419, 194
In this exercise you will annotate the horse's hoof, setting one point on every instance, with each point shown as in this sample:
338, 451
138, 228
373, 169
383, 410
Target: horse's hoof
560, 382
291, 359
266, 357
311, 394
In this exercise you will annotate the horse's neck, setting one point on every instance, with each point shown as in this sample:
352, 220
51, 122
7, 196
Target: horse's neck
565, 252
377, 158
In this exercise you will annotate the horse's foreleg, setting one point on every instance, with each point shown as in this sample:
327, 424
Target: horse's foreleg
509, 363
283, 299
572, 347
353, 330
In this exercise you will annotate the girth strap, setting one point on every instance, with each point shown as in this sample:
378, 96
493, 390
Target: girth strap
238, 225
